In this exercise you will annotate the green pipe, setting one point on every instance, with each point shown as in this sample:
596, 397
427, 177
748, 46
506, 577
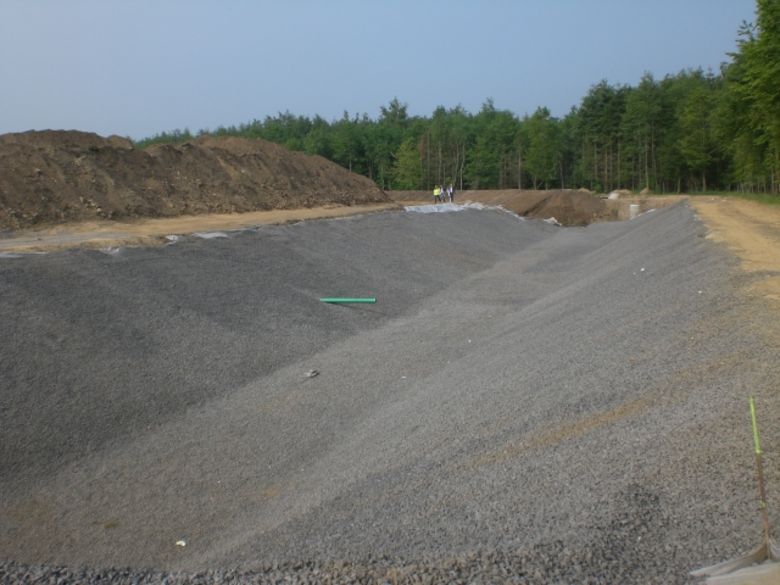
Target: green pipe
347, 300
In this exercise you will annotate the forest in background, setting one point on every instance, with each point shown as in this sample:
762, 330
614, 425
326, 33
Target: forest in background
693, 131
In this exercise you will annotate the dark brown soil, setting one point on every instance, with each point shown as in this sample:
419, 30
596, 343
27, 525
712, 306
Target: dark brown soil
54, 177
568, 206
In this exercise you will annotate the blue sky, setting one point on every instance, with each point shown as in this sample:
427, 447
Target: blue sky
138, 67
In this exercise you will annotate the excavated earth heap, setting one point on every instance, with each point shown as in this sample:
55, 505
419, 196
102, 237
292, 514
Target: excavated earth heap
569, 207
60, 176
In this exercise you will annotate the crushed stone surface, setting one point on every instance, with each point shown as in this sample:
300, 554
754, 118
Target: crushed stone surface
523, 404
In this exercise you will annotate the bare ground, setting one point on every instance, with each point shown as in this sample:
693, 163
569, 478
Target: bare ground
569, 207
752, 231
106, 233
55, 177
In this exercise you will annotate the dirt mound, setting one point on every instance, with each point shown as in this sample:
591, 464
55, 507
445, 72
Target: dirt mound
567, 206
59, 176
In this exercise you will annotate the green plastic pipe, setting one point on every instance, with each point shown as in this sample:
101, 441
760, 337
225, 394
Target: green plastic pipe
348, 300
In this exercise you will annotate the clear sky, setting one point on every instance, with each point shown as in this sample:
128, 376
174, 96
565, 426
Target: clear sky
138, 67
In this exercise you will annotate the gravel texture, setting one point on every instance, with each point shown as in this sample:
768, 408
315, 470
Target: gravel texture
524, 404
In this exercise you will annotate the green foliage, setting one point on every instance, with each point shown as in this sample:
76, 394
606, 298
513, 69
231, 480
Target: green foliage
690, 131
492, 162
752, 87
407, 168
642, 125
694, 139
598, 136
173, 137
543, 158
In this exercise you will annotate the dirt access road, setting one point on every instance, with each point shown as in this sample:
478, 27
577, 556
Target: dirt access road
145, 232
752, 231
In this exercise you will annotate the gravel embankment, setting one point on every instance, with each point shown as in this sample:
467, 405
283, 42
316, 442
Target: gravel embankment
524, 403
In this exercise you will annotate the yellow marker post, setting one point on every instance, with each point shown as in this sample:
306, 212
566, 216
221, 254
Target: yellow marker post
756, 440
766, 551
759, 471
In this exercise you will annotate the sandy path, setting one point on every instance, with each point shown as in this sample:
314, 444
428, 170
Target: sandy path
95, 234
752, 231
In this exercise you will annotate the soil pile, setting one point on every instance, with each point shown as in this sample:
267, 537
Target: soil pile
60, 176
569, 207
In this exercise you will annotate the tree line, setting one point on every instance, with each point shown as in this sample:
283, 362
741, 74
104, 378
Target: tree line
693, 131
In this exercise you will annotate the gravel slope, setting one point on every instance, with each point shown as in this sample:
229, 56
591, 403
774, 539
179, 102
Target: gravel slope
524, 402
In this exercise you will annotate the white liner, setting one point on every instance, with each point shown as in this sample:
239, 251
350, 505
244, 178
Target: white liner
443, 207
210, 235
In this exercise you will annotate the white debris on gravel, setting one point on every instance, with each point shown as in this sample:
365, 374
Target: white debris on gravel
210, 235
454, 207
4, 255
111, 250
